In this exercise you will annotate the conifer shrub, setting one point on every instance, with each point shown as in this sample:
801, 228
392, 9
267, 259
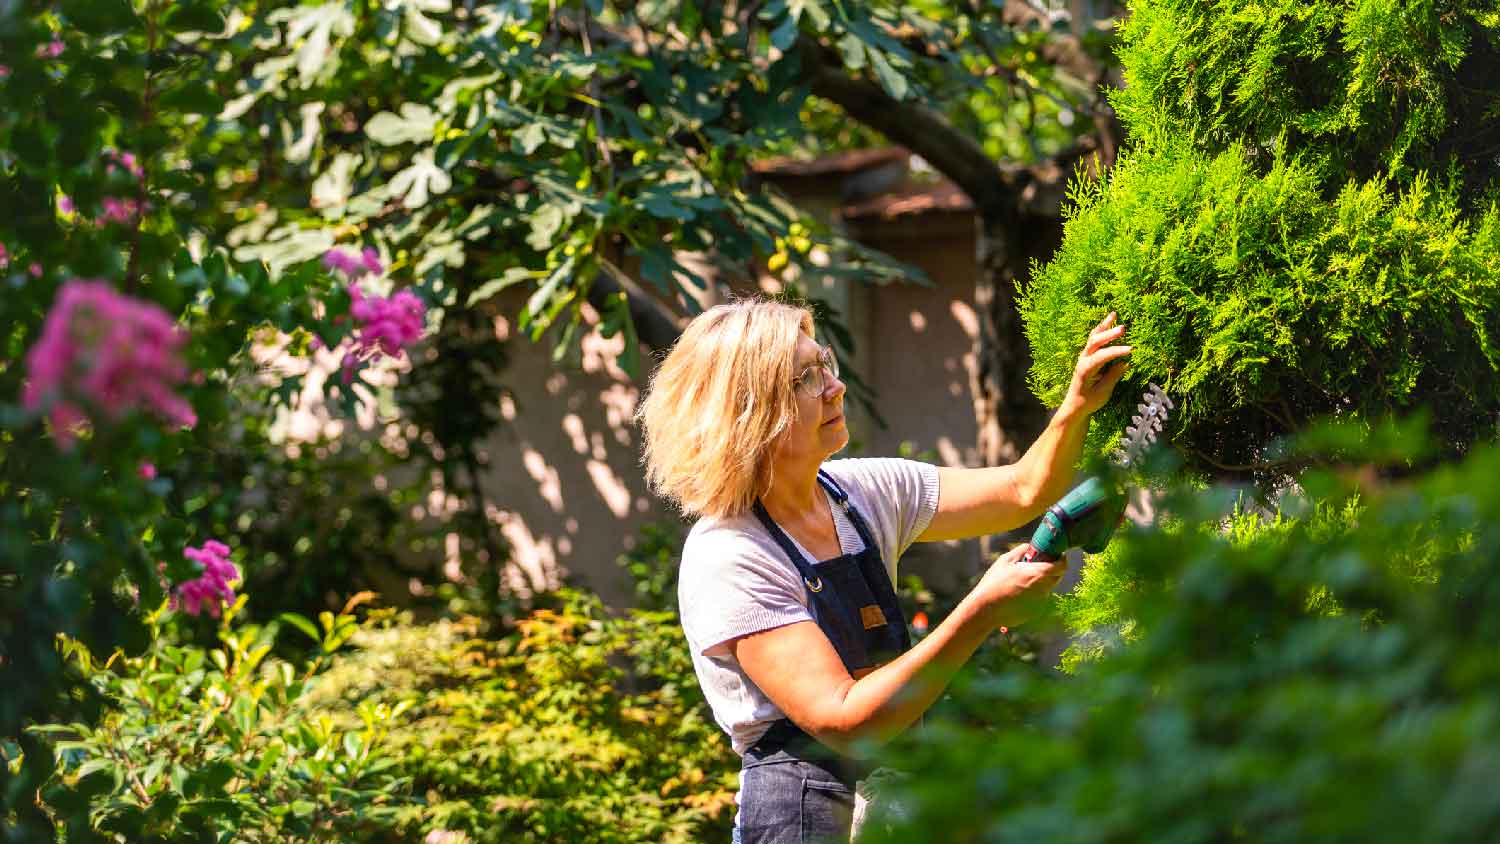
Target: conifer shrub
1322, 674
1304, 225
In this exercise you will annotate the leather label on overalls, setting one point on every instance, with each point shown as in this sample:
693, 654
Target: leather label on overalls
871, 617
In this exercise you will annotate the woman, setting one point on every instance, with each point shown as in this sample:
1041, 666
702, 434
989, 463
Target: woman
786, 580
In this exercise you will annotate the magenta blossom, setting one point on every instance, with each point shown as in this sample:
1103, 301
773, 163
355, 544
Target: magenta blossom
147, 471
214, 588
386, 326
126, 160
35, 269
344, 262
352, 265
122, 211
371, 260
4, 257
105, 351
52, 49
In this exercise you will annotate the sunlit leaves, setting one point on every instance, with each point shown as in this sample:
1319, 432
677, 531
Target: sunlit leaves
414, 123
420, 180
311, 30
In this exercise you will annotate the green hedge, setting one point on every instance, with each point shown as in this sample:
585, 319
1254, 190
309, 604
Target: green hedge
1303, 225
1326, 674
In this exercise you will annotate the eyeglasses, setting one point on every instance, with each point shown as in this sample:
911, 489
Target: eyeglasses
813, 380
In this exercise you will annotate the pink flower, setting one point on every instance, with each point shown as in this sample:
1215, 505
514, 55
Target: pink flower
53, 49
214, 588
122, 211
65, 204
4, 71
101, 351
35, 269
341, 261
147, 471
385, 326
352, 265
4, 257
126, 160
371, 259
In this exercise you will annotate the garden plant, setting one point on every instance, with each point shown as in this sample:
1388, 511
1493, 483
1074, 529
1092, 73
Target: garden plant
206, 206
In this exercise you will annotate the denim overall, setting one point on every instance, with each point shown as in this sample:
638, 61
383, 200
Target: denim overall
794, 790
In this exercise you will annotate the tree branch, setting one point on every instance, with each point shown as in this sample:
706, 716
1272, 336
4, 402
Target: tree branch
655, 325
914, 126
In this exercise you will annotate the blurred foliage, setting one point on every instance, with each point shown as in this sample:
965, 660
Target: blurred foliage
1325, 673
217, 744
574, 725
652, 565
82, 530
579, 726
1304, 225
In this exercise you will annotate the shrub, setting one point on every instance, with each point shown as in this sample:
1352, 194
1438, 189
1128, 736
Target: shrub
216, 744
1304, 225
1325, 676
577, 727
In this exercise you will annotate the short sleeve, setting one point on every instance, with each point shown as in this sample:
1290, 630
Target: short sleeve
731, 586
901, 496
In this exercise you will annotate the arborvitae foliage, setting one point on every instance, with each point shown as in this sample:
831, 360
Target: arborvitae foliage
1325, 676
1304, 225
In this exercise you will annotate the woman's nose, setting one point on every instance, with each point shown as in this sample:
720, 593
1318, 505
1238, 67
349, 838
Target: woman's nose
833, 386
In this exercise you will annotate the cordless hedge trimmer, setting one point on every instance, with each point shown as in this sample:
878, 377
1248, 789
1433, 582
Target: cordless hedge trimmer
1089, 514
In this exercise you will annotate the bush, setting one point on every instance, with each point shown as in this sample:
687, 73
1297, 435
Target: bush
577, 727
1304, 226
217, 744
1328, 675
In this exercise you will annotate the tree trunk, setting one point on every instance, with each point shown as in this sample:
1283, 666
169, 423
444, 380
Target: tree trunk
1007, 416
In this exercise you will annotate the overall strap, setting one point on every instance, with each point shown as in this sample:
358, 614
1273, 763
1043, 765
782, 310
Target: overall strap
842, 499
809, 577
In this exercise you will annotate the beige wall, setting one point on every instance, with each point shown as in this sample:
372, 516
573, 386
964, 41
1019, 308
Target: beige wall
565, 472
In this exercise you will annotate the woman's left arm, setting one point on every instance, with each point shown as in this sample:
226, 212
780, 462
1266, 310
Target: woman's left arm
976, 502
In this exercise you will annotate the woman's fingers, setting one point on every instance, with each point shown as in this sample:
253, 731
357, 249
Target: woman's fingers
1092, 362
1103, 333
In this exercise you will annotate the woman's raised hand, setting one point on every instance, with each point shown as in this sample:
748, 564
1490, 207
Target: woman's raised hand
1013, 590
1099, 367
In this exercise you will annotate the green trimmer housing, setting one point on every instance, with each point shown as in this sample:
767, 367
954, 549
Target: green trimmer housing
1091, 512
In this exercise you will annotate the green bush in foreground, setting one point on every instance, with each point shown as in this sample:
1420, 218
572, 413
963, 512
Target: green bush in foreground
216, 744
1330, 677
577, 727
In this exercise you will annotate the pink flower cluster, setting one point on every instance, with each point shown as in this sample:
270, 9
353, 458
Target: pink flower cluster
125, 160
387, 326
4, 257
52, 49
352, 265
122, 210
109, 351
214, 588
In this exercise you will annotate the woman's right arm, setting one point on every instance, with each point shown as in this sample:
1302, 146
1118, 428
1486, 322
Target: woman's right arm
799, 670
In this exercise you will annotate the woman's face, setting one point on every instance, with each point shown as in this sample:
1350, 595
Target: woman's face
819, 429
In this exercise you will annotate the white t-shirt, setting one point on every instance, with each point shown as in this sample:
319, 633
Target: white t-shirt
735, 580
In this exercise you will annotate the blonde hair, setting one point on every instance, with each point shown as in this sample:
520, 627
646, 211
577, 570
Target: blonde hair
719, 402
